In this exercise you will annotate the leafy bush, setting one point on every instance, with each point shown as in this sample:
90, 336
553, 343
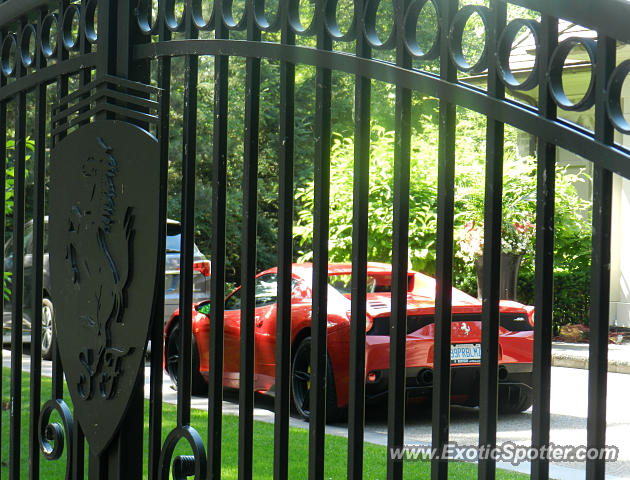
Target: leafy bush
571, 296
572, 216
422, 205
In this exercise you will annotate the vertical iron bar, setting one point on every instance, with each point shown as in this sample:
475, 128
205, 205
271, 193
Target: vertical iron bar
356, 406
62, 91
285, 255
78, 455
543, 301
191, 67
356, 391
85, 75
38, 265
248, 256
18, 277
317, 402
78, 443
217, 280
488, 385
397, 394
600, 266
3, 174
157, 330
444, 256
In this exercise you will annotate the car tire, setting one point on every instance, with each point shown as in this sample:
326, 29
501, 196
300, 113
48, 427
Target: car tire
48, 330
300, 384
172, 357
515, 399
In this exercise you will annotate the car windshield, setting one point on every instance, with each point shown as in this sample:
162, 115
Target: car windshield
375, 282
173, 244
343, 283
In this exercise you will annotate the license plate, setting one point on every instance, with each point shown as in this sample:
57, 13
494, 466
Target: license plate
466, 353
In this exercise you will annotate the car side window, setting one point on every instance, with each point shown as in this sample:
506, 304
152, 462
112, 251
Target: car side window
266, 290
233, 302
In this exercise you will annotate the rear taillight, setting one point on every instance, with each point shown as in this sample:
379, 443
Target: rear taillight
530, 314
202, 267
368, 320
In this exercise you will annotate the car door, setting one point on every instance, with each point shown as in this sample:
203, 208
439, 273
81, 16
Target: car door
265, 288
28, 275
231, 339
265, 330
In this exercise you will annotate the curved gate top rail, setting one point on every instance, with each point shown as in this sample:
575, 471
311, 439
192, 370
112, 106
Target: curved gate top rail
110, 47
607, 17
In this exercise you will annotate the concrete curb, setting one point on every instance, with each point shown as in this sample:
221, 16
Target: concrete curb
575, 355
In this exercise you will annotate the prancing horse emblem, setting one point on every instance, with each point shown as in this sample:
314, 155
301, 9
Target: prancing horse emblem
103, 241
465, 328
97, 271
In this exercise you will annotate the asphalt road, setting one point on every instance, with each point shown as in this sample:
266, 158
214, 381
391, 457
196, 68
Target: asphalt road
568, 420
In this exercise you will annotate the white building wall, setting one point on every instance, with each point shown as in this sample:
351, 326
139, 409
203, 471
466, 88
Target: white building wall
620, 243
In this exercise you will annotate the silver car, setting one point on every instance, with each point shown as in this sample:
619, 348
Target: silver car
201, 271
201, 283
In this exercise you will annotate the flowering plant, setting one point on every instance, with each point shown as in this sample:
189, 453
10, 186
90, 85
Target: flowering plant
516, 239
470, 241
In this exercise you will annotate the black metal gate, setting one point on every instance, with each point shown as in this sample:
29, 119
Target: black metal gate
107, 66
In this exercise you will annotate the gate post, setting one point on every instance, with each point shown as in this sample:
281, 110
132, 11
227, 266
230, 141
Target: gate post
105, 370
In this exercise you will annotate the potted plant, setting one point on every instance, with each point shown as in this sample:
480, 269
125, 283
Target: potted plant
516, 241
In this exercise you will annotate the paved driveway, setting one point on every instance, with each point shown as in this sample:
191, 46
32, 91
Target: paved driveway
568, 421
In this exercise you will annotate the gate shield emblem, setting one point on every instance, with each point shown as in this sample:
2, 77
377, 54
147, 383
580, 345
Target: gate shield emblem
103, 242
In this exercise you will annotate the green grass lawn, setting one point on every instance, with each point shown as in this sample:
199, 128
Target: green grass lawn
336, 447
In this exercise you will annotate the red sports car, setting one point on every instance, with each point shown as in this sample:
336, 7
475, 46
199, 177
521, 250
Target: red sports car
515, 340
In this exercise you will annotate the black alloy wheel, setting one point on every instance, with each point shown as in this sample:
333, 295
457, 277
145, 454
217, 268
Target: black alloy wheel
173, 356
301, 384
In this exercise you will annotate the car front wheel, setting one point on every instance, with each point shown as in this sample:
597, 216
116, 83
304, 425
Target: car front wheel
173, 356
301, 384
48, 317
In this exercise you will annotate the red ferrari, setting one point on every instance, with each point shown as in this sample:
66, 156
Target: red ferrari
515, 340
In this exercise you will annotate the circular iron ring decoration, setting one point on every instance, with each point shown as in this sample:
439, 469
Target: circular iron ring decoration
9, 65
48, 49
144, 15
55, 432
172, 23
228, 16
554, 74
332, 25
260, 17
615, 84
195, 465
69, 40
506, 40
198, 18
456, 36
89, 22
26, 56
369, 28
295, 22
411, 37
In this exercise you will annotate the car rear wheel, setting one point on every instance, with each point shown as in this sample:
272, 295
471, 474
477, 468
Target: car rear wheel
515, 399
48, 317
173, 356
301, 383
